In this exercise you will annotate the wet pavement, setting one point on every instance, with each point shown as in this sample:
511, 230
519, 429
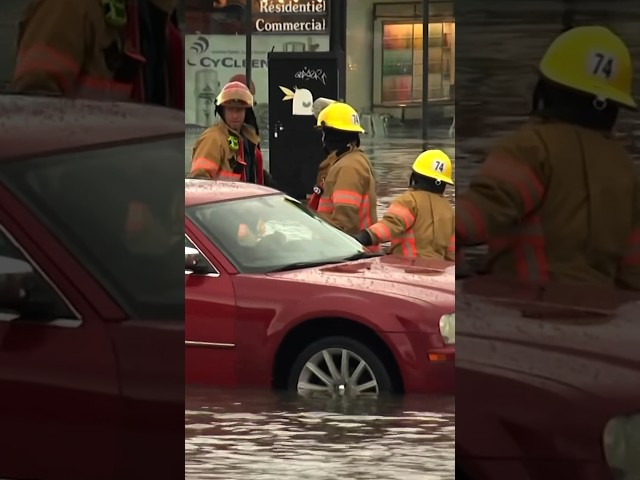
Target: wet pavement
262, 435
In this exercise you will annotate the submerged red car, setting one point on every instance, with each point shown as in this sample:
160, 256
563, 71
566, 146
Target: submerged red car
86, 303
548, 382
276, 297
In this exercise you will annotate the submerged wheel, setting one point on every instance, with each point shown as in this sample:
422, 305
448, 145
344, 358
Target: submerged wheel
339, 366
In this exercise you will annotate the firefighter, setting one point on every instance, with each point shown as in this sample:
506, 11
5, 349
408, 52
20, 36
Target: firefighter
119, 50
313, 199
252, 120
229, 149
348, 193
419, 222
558, 199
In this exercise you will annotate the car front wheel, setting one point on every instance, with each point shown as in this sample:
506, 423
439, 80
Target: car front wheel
339, 366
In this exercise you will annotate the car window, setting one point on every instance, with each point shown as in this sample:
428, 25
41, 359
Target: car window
120, 211
24, 292
266, 233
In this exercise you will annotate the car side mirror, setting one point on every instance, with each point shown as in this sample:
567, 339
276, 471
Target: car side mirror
17, 279
194, 262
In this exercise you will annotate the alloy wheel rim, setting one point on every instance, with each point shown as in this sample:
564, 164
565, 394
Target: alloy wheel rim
337, 371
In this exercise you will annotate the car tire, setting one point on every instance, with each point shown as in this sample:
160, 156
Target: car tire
358, 352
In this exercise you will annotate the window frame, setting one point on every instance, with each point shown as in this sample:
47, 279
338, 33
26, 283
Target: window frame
411, 15
216, 272
60, 322
103, 277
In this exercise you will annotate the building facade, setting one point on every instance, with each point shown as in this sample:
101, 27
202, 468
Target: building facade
216, 47
383, 43
384, 47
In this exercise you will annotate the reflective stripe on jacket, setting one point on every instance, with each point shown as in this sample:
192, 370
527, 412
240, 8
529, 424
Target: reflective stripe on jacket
314, 198
214, 158
66, 47
349, 199
555, 202
418, 224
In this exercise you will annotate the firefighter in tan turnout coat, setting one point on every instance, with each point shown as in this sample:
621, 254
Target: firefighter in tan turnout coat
420, 222
229, 150
97, 49
558, 200
348, 192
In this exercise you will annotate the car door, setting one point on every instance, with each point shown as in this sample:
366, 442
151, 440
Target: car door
58, 380
210, 317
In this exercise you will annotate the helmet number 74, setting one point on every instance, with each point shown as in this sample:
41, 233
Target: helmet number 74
602, 65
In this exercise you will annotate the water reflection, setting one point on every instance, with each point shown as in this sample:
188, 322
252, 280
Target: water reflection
263, 435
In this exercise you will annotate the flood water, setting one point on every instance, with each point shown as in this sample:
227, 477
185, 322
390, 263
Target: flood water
263, 435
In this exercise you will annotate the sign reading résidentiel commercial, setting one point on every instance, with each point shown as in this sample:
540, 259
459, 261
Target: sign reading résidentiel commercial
292, 16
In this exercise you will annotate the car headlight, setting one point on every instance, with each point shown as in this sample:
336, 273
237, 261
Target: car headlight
621, 442
448, 328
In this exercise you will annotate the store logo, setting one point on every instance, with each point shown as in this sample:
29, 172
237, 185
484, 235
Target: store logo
308, 74
200, 56
200, 45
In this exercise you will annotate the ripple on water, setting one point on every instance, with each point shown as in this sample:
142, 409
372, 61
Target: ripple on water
270, 437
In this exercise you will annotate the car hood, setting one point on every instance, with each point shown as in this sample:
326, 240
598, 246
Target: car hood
580, 338
429, 281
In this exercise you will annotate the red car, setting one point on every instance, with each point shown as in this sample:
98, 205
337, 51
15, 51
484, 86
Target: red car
87, 303
276, 297
548, 382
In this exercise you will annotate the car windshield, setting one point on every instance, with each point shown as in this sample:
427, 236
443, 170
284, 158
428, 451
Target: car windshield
269, 233
89, 200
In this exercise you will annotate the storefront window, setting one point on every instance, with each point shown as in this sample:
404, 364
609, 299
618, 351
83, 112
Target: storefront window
398, 54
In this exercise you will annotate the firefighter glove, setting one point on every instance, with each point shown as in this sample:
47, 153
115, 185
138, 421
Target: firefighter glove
364, 237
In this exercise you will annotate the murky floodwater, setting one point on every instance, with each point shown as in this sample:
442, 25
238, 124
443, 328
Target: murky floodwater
261, 435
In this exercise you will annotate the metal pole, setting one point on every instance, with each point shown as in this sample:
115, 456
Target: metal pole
248, 26
425, 68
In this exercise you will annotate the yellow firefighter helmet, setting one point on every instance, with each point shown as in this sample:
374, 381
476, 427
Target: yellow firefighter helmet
340, 116
434, 164
593, 60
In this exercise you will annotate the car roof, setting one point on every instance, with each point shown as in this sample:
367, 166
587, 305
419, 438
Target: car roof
31, 125
198, 192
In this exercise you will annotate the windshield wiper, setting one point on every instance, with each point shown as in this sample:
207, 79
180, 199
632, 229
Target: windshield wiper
301, 265
351, 258
362, 256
